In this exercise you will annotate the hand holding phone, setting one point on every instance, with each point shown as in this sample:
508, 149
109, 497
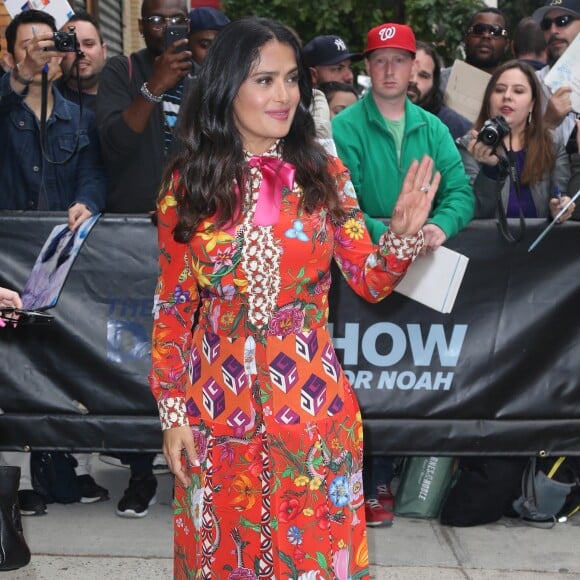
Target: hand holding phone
20, 316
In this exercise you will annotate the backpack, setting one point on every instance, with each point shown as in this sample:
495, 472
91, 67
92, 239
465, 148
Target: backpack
483, 491
550, 490
54, 477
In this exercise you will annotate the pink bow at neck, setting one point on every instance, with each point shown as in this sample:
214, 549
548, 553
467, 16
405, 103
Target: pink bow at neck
276, 174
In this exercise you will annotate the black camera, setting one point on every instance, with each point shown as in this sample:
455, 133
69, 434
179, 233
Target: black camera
493, 131
65, 41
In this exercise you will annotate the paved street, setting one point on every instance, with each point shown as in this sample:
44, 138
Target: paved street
89, 542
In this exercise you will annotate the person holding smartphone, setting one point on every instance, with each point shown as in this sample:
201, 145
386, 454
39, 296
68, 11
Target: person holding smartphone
8, 299
138, 102
137, 107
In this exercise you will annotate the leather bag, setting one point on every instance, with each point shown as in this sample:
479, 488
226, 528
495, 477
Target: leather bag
14, 551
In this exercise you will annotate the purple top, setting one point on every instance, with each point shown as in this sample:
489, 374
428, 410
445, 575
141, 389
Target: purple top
526, 201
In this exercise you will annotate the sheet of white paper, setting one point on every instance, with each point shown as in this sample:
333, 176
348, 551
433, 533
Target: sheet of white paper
59, 9
434, 280
566, 72
465, 89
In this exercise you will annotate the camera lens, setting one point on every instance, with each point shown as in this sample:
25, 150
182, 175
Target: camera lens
489, 136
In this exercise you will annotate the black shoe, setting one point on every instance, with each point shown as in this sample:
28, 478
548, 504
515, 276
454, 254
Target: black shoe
138, 497
31, 503
91, 491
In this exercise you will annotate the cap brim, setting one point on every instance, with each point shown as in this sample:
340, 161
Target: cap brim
369, 50
354, 56
539, 14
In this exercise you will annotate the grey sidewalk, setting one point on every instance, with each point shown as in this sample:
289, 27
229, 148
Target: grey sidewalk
90, 542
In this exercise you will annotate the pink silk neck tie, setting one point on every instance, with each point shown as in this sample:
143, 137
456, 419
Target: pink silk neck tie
276, 174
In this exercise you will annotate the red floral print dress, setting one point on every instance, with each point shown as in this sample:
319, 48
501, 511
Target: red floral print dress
277, 427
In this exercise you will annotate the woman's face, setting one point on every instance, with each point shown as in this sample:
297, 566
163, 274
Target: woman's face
339, 101
265, 105
512, 98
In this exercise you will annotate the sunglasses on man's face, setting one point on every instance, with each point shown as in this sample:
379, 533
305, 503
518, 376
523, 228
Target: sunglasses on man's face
493, 30
560, 21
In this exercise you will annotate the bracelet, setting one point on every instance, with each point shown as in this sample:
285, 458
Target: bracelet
18, 78
148, 95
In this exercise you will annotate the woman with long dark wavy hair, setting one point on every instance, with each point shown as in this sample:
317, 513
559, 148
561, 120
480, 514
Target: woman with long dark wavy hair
260, 426
537, 182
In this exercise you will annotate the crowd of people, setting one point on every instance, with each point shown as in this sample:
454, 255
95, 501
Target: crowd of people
261, 161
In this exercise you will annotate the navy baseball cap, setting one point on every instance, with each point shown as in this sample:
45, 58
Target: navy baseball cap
327, 50
570, 6
206, 18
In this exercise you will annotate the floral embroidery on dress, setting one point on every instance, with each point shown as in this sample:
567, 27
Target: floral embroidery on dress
278, 432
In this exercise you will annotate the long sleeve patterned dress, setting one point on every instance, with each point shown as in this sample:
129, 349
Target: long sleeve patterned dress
276, 425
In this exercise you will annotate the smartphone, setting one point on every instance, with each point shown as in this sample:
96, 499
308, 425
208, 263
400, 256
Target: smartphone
176, 32
26, 316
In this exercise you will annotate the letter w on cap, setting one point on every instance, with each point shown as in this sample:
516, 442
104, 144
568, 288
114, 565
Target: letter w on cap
387, 33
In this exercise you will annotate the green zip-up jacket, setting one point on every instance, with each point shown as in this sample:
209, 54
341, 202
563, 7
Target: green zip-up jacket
366, 146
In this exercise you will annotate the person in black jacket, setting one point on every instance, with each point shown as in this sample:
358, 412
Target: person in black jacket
137, 106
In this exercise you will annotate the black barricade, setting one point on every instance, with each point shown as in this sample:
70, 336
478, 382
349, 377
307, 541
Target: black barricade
499, 375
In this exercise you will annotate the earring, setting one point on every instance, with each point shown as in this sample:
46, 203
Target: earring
530, 118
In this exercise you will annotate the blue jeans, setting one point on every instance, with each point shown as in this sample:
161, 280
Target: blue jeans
377, 470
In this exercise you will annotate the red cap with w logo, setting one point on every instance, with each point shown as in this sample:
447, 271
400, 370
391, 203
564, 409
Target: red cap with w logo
390, 35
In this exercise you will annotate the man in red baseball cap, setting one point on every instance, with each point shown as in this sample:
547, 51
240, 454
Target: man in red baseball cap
377, 138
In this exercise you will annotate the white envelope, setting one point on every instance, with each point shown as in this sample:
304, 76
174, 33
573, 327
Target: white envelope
434, 280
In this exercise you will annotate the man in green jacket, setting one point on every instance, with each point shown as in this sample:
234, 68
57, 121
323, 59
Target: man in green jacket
379, 136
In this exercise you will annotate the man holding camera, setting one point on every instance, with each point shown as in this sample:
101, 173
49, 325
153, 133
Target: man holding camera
55, 167
137, 107
50, 166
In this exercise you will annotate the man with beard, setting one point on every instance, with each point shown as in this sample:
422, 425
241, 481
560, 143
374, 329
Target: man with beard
486, 42
560, 21
423, 90
87, 67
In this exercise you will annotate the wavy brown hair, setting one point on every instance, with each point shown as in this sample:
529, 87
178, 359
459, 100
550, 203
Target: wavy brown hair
540, 156
210, 158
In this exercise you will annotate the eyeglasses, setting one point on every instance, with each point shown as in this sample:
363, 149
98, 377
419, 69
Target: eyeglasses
560, 21
158, 22
494, 30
